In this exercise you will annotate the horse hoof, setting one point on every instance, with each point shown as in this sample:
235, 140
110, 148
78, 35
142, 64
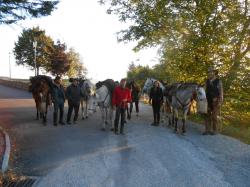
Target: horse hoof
112, 129
86, 117
106, 122
103, 129
83, 118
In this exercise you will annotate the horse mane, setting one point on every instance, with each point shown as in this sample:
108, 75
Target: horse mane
36, 82
109, 83
187, 84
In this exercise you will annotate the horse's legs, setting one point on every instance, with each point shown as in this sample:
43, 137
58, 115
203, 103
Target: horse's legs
184, 120
37, 113
111, 118
103, 118
86, 109
82, 108
44, 118
175, 119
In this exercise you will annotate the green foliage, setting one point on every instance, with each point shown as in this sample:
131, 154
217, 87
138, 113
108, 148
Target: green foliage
77, 68
139, 73
194, 35
60, 63
24, 52
15, 10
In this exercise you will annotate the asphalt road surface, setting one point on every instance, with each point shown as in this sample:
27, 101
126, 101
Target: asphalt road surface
82, 155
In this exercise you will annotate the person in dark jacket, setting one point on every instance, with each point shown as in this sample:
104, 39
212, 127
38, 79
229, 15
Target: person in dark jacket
73, 94
120, 99
156, 96
58, 98
135, 93
214, 94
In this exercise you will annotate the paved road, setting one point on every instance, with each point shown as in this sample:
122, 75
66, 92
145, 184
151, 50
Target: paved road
82, 155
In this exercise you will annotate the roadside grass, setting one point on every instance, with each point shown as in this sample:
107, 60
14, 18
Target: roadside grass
232, 123
229, 126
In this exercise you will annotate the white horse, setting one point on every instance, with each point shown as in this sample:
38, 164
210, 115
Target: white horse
104, 98
87, 91
182, 98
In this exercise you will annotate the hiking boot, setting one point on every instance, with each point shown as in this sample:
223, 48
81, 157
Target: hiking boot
61, 122
153, 124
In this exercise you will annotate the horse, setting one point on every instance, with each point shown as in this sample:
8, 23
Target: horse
41, 87
104, 98
87, 91
149, 83
182, 98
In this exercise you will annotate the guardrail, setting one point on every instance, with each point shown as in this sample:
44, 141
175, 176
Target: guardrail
24, 85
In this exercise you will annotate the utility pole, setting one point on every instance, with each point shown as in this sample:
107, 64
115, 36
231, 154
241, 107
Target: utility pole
9, 66
34, 46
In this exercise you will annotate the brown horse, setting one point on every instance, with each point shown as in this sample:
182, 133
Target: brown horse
41, 87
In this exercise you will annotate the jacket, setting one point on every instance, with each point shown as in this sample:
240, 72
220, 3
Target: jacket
58, 95
73, 94
121, 96
156, 95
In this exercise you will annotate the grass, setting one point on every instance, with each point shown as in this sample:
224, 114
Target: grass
230, 126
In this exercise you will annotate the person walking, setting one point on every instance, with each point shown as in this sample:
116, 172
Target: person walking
120, 99
156, 99
135, 93
214, 94
58, 99
73, 94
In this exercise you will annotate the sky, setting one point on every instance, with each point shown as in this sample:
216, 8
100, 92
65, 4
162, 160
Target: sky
85, 26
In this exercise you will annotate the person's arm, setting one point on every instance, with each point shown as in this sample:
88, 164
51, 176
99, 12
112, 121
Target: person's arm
129, 96
68, 94
161, 95
114, 98
63, 91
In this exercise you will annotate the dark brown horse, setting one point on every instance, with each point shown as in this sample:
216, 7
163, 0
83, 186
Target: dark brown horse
41, 88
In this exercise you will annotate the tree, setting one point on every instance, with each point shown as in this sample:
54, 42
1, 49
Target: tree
15, 10
60, 63
24, 52
193, 35
140, 74
77, 68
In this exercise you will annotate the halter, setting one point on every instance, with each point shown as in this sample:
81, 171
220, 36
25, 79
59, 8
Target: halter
105, 97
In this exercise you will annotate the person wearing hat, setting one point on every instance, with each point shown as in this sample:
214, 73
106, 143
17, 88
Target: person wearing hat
214, 94
120, 99
156, 96
58, 98
73, 94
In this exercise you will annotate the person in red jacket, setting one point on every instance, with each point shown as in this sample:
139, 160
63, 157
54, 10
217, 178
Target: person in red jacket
120, 99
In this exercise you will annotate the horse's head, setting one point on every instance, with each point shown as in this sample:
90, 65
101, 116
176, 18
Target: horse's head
148, 85
88, 89
103, 96
200, 93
